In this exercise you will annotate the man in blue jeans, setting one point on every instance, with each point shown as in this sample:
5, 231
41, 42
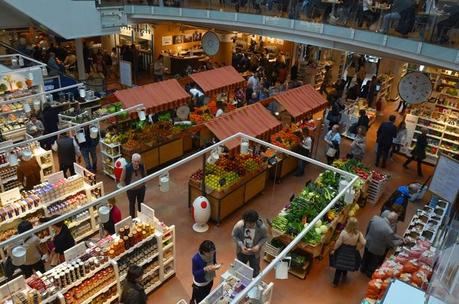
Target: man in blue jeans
397, 8
88, 150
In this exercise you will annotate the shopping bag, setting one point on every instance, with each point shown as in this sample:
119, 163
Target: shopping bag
331, 152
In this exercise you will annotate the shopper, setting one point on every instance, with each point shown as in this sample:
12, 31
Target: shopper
50, 119
345, 253
351, 71
327, 80
253, 81
88, 149
197, 94
401, 106
115, 216
419, 152
372, 91
363, 122
220, 109
379, 238
67, 151
133, 292
385, 136
34, 126
28, 171
398, 201
400, 140
333, 140
362, 73
358, 146
132, 173
334, 115
62, 241
34, 251
250, 234
158, 69
305, 149
204, 265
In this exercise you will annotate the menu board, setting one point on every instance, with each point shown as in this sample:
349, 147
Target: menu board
445, 179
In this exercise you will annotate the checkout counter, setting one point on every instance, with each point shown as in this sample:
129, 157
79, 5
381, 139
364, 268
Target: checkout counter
178, 64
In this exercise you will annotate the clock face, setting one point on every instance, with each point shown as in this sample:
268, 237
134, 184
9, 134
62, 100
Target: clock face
415, 87
210, 43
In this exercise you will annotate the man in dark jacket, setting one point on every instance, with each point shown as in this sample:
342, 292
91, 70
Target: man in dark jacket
133, 292
50, 119
88, 150
385, 136
67, 150
419, 152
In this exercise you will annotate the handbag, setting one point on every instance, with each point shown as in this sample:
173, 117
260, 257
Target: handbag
331, 152
54, 259
332, 259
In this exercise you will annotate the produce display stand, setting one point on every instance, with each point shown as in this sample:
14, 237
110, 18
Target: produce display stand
110, 153
223, 203
68, 194
413, 261
96, 274
21, 91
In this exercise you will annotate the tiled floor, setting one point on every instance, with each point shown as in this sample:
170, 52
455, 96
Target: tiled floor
172, 208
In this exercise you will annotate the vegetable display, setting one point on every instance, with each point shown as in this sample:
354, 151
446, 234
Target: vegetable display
285, 139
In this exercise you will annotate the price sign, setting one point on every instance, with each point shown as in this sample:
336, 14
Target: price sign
9, 196
127, 221
55, 177
147, 211
74, 252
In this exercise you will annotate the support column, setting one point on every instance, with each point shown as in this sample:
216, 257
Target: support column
80, 59
225, 52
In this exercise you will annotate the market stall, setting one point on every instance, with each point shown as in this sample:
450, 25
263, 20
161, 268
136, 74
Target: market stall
159, 140
350, 115
233, 180
95, 272
301, 103
306, 205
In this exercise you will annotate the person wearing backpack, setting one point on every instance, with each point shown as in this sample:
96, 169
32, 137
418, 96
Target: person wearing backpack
398, 201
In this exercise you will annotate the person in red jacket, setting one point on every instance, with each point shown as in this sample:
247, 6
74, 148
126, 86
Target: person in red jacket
115, 216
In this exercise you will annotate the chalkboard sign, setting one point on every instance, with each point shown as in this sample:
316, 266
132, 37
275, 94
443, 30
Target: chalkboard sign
445, 179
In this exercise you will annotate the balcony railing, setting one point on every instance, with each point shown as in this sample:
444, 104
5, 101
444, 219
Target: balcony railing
429, 21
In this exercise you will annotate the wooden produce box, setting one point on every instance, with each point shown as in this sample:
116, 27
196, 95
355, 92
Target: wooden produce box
223, 203
170, 150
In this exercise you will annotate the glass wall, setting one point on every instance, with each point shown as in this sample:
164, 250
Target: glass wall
433, 21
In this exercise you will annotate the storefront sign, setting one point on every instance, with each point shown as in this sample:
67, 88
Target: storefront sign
166, 40
126, 73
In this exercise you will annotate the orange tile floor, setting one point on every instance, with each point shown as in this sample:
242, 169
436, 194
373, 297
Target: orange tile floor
172, 208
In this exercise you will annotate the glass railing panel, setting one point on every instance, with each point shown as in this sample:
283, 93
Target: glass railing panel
433, 21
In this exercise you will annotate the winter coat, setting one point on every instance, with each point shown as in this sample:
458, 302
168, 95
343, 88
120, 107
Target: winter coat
133, 294
380, 236
419, 151
30, 171
386, 133
358, 147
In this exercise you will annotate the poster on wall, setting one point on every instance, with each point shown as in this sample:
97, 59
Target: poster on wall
125, 73
197, 36
188, 38
166, 40
177, 39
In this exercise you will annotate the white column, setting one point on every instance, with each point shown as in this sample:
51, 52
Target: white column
80, 58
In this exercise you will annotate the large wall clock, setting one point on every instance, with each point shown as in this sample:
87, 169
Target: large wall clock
210, 43
415, 87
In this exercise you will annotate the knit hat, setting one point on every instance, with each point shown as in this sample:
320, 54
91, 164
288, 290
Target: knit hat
26, 155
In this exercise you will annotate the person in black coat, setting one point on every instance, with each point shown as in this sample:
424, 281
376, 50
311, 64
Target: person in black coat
386, 133
133, 292
419, 152
50, 121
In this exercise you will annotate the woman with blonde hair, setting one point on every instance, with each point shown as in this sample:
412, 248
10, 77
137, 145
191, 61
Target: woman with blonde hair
346, 256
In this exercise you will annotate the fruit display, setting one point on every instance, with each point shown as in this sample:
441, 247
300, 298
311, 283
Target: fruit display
112, 138
200, 115
11, 107
355, 167
285, 139
228, 171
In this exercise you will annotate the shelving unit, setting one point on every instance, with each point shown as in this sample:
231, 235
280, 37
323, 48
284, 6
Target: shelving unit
441, 117
384, 91
46, 162
110, 153
312, 75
